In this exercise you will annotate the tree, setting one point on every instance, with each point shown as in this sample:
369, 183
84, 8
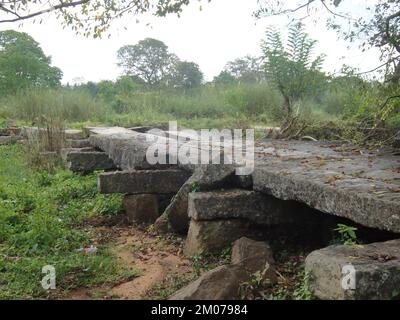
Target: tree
292, 69
149, 60
92, 17
378, 25
23, 63
374, 24
186, 75
246, 69
224, 79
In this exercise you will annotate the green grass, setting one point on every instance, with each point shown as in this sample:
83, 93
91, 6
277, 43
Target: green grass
40, 214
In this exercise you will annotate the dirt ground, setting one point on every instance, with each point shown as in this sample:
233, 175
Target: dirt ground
157, 259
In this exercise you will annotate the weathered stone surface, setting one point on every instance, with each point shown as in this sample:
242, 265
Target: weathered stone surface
9, 139
125, 147
222, 283
213, 236
65, 151
141, 208
88, 161
10, 131
142, 181
205, 177
74, 134
238, 203
377, 268
144, 129
255, 256
360, 185
81, 143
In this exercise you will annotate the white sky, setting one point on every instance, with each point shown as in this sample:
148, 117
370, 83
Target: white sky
222, 31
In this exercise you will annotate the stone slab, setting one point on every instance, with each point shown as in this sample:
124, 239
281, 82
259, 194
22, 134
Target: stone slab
376, 269
142, 181
359, 184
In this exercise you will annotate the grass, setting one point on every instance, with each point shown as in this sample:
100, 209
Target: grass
40, 224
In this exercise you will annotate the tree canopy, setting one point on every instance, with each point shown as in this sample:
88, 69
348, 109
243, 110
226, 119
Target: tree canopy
292, 68
23, 63
151, 62
377, 26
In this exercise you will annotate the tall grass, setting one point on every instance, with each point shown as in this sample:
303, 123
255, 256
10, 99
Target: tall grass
63, 104
206, 106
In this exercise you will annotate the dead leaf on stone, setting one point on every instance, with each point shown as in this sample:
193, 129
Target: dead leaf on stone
321, 163
331, 179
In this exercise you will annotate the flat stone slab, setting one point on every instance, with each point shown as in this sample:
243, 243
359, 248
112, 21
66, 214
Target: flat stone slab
128, 148
80, 143
10, 131
87, 161
74, 134
356, 272
358, 184
142, 181
241, 204
125, 147
4, 140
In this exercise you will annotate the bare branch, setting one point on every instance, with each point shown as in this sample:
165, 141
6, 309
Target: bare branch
62, 5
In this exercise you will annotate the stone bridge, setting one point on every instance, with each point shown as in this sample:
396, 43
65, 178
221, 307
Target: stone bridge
301, 188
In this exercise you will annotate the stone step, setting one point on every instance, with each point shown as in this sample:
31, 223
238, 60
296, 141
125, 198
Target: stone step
142, 181
206, 177
241, 204
84, 160
10, 131
80, 143
213, 236
4, 140
359, 272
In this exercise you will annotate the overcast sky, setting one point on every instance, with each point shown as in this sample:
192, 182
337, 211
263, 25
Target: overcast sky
222, 31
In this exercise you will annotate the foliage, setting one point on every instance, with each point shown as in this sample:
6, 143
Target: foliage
247, 69
186, 75
347, 234
292, 69
23, 64
40, 214
302, 290
224, 79
148, 60
92, 18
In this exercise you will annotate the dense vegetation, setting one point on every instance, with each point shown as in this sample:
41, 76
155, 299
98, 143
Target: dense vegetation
41, 223
284, 87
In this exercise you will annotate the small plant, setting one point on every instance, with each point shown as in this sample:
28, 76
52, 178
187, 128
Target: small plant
195, 187
281, 293
347, 235
302, 290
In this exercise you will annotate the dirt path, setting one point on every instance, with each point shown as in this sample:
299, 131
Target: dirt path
157, 259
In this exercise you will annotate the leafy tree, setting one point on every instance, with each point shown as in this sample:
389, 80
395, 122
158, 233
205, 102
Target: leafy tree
374, 24
224, 79
247, 69
292, 68
377, 26
23, 63
149, 61
186, 75
92, 17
